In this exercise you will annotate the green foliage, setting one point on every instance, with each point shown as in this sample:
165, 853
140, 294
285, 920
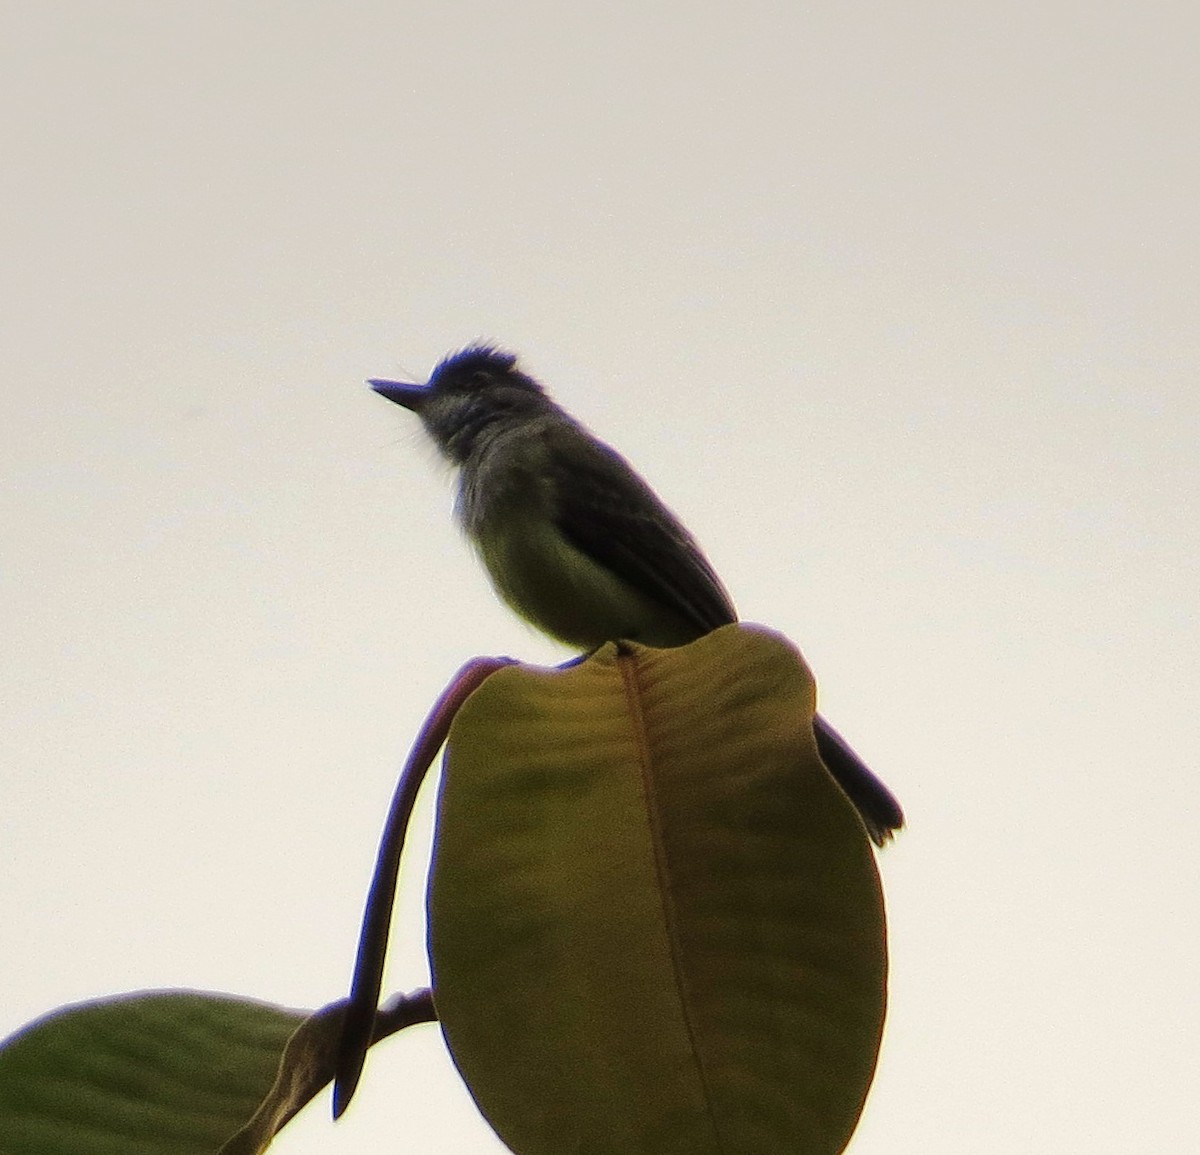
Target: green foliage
171, 1073
158, 1073
656, 928
656, 922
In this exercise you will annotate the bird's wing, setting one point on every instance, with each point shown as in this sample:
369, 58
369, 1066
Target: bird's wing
613, 516
616, 518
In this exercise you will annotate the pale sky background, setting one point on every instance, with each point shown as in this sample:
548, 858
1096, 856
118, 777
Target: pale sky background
896, 304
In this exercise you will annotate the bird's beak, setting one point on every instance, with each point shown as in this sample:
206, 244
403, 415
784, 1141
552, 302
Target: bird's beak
410, 396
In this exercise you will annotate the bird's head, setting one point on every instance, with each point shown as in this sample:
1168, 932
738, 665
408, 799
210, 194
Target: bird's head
467, 394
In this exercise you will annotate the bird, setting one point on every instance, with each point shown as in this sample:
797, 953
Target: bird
575, 541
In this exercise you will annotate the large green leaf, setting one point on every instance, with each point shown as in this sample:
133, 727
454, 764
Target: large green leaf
656, 926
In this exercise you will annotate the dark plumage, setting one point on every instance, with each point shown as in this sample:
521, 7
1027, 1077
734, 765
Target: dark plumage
573, 538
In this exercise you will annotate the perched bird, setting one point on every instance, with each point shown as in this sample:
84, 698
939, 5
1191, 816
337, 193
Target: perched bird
574, 540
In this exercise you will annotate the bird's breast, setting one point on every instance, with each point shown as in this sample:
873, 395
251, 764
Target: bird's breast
509, 508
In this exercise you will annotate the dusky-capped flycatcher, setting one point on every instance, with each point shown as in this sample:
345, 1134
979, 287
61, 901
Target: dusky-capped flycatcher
574, 540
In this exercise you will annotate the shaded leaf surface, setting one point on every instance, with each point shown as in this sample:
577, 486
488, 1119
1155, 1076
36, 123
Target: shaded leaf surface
655, 920
159, 1073
170, 1073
